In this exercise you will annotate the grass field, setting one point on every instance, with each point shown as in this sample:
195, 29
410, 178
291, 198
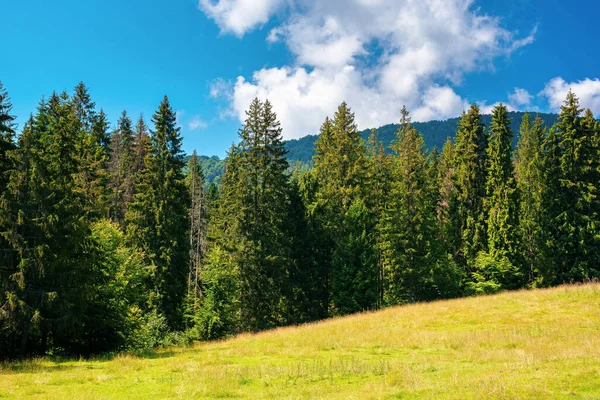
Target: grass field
530, 344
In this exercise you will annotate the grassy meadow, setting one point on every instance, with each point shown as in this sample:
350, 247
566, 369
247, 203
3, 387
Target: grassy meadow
530, 344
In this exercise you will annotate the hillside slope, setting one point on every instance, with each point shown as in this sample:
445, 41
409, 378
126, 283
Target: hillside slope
435, 134
530, 344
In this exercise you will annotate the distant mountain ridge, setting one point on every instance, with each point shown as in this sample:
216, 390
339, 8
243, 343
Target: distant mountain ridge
434, 132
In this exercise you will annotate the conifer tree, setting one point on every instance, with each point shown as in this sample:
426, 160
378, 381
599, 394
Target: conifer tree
198, 225
264, 184
409, 220
470, 175
158, 222
100, 131
7, 146
8, 256
379, 179
7, 136
120, 168
449, 236
531, 185
52, 285
141, 148
574, 218
84, 107
340, 169
498, 268
93, 175
220, 277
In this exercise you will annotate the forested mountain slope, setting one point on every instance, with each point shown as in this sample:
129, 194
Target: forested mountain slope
435, 133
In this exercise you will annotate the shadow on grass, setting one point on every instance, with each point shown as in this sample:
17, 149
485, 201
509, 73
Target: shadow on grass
60, 364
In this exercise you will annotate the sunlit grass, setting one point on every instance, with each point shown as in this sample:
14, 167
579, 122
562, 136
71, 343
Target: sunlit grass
530, 344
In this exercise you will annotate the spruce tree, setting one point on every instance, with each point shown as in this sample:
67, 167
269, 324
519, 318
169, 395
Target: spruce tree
7, 146
198, 215
158, 222
449, 236
531, 185
220, 277
120, 168
409, 220
264, 208
9, 320
51, 288
470, 177
84, 107
141, 148
92, 137
574, 219
100, 130
498, 268
379, 178
340, 169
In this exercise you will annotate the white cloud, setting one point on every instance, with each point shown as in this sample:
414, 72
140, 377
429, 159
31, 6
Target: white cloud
239, 16
485, 108
377, 55
439, 103
196, 123
587, 90
520, 97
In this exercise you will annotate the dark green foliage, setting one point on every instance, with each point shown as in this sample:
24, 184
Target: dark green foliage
498, 268
121, 166
572, 195
198, 214
52, 290
435, 134
100, 130
7, 163
158, 221
409, 221
93, 154
112, 242
141, 148
354, 263
341, 172
531, 186
220, 279
470, 179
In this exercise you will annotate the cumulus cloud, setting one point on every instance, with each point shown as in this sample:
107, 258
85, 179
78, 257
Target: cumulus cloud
239, 16
377, 55
520, 97
587, 90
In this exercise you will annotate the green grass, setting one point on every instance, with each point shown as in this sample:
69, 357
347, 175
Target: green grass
531, 344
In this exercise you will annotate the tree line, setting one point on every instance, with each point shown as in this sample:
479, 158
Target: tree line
110, 240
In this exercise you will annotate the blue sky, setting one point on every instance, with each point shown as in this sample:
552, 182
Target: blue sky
211, 57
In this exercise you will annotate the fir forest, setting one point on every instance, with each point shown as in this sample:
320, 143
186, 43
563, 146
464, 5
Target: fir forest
299, 199
112, 240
